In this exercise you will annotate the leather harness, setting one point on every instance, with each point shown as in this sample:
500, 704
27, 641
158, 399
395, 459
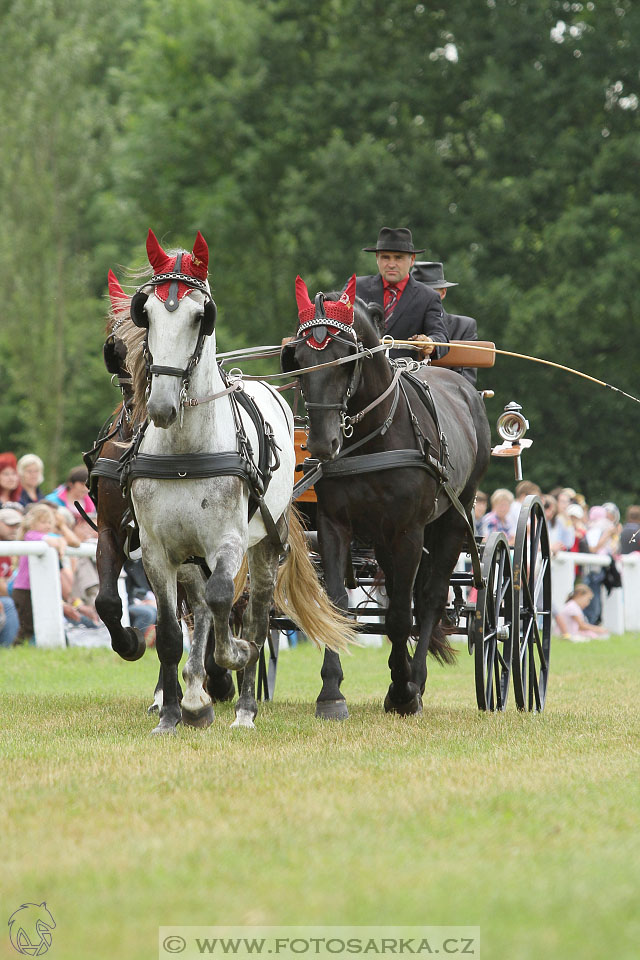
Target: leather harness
345, 464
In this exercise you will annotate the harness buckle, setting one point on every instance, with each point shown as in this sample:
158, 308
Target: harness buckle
346, 424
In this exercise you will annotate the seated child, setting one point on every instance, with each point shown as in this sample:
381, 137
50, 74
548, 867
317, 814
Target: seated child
573, 621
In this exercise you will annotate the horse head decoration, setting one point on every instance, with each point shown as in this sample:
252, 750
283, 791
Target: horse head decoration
327, 327
179, 293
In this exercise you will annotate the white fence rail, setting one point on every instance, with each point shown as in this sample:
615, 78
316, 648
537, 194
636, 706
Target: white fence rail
46, 596
620, 608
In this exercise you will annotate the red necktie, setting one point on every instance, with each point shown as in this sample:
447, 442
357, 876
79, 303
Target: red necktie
390, 306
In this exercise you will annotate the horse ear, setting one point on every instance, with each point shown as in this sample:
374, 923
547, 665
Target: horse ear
288, 362
302, 295
209, 318
376, 314
201, 251
138, 315
116, 293
157, 257
350, 289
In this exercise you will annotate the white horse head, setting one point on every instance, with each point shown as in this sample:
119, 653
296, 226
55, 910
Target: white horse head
177, 310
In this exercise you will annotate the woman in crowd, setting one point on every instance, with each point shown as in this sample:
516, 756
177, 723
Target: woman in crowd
31, 474
561, 534
10, 488
74, 489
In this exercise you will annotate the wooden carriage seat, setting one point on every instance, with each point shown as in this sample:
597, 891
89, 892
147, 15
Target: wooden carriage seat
483, 354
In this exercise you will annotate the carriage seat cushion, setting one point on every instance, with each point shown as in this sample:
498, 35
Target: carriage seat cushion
468, 353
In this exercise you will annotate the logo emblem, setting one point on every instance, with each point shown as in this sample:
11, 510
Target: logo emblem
30, 929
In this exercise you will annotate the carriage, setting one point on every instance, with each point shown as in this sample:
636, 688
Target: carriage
399, 511
506, 622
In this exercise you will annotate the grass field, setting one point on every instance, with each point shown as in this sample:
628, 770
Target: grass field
526, 826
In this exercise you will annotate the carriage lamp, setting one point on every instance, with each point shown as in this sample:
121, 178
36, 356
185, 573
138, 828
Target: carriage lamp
512, 426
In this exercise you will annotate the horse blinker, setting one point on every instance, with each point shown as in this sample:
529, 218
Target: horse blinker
137, 310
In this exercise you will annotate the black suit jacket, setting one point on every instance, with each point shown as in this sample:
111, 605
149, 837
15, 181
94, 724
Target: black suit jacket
419, 310
462, 328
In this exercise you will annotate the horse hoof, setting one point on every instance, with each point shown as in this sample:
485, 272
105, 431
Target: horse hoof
244, 720
332, 710
140, 645
410, 708
165, 728
202, 718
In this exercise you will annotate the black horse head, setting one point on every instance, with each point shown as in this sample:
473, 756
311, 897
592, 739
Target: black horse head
331, 331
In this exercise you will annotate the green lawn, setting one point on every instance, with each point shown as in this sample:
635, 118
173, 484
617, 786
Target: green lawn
526, 826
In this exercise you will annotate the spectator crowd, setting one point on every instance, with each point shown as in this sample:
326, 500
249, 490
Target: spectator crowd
26, 513
574, 527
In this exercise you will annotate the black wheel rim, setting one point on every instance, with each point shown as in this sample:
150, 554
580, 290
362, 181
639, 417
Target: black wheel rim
493, 626
532, 596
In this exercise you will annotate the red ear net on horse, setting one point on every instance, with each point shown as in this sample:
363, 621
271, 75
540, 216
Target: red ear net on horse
194, 264
119, 299
341, 310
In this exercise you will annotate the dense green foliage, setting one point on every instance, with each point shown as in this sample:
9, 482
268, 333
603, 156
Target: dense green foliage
503, 132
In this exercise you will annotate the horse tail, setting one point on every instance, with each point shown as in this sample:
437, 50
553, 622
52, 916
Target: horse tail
440, 648
240, 579
299, 595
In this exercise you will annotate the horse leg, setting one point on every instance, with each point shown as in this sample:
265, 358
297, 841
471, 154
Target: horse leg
162, 578
197, 708
445, 538
403, 696
334, 545
127, 642
219, 682
263, 570
231, 653
156, 704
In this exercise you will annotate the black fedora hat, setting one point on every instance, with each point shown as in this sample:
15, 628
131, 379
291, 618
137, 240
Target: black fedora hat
394, 239
431, 273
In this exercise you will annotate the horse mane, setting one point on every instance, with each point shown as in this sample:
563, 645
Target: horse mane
120, 324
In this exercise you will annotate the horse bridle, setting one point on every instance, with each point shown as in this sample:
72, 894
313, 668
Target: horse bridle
320, 325
207, 323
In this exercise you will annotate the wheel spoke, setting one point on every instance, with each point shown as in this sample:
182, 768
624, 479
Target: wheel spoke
501, 660
499, 703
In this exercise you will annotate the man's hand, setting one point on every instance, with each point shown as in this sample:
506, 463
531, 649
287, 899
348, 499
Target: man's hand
427, 346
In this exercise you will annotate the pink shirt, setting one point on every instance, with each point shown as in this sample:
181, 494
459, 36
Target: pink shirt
22, 581
572, 611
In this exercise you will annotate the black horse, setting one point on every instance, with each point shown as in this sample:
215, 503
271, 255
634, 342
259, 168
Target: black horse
413, 506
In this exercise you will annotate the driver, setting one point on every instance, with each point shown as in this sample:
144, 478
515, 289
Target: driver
412, 311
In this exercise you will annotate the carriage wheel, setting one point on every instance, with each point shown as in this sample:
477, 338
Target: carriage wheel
492, 626
532, 603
